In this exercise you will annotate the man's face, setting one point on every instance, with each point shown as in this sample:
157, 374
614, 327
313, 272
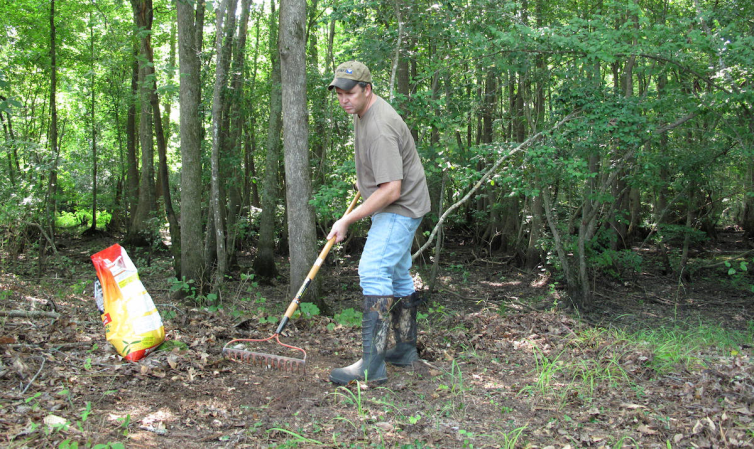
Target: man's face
356, 100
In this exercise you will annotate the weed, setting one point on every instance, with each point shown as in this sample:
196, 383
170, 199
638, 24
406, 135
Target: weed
125, 423
297, 438
352, 398
738, 275
511, 438
307, 310
185, 286
467, 437
348, 317
33, 400
619, 444
437, 309
546, 371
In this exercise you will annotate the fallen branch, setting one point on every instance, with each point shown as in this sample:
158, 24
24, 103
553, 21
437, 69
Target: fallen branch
485, 177
28, 314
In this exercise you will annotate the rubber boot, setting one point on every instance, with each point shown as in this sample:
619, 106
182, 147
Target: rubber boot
403, 318
374, 333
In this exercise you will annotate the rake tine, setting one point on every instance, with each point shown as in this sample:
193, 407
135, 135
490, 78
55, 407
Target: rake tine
269, 361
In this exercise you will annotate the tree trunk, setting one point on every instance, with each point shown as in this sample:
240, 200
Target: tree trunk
224, 32
234, 152
264, 263
251, 188
138, 234
301, 229
190, 25
174, 228
93, 228
48, 217
132, 176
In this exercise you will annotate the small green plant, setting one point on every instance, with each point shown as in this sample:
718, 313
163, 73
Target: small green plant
510, 439
467, 437
297, 438
307, 310
437, 309
619, 444
546, 370
348, 317
352, 398
738, 275
79, 288
125, 423
186, 286
33, 400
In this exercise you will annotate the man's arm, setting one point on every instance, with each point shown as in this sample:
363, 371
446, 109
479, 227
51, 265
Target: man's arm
387, 193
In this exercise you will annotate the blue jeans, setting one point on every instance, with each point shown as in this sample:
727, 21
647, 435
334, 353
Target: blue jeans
386, 260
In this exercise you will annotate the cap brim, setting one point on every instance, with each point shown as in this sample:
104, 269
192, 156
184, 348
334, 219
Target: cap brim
342, 83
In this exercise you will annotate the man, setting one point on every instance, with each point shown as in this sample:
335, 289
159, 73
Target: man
391, 179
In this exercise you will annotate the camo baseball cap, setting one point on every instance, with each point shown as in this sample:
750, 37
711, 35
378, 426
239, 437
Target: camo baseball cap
348, 74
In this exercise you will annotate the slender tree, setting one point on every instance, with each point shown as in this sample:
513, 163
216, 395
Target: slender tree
143, 16
264, 262
301, 230
225, 28
190, 26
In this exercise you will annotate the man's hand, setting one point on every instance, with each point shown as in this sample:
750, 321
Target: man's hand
339, 231
385, 194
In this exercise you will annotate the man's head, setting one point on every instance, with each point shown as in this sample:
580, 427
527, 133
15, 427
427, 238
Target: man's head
353, 85
349, 74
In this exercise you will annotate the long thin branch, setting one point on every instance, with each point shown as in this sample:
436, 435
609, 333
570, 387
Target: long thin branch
44, 234
486, 176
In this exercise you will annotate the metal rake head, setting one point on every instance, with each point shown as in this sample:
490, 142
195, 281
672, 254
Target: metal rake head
268, 361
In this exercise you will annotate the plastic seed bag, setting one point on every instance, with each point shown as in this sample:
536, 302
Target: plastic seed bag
132, 324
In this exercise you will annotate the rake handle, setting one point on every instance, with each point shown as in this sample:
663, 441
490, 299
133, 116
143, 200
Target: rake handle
312, 273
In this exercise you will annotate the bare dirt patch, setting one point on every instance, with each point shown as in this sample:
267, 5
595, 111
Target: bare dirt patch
506, 364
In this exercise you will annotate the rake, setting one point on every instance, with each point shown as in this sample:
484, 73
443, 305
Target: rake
279, 362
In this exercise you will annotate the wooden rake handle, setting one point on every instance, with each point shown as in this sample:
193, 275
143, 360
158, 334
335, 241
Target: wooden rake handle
312, 273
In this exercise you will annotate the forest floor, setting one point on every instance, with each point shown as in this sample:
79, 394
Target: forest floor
505, 362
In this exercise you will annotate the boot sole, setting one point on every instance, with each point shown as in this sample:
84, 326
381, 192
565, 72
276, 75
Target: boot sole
346, 382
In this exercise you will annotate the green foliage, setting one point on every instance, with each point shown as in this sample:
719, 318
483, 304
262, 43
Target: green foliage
82, 218
348, 317
675, 234
331, 198
617, 263
307, 310
739, 274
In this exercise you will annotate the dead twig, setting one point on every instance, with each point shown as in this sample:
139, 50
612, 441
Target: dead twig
35, 376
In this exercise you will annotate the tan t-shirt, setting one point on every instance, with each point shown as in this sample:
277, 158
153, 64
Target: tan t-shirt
385, 151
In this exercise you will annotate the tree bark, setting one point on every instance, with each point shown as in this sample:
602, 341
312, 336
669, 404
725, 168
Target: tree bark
138, 234
132, 174
224, 32
301, 229
234, 152
48, 214
93, 228
264, 263
190, 25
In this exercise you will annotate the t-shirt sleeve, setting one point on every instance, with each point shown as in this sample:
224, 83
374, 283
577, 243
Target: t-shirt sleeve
387, 164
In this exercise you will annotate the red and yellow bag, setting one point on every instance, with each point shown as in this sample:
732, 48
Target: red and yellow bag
132, 324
